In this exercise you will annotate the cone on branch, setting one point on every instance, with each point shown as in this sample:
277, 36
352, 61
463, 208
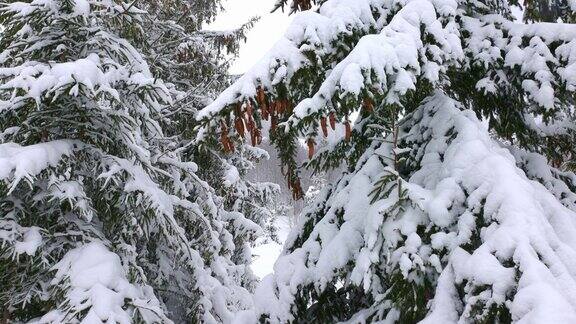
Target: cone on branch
288, 106
324, 126
224, 139
260, 96
238, 110
279, 105
249, 109
239, 126
250, 124
297, 192
348, 131
368, 105
311, 144
256, 136
332, 117
264, 110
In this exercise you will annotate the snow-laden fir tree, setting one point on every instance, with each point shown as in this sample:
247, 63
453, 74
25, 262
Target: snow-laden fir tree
195, 63
454, 206
103, 218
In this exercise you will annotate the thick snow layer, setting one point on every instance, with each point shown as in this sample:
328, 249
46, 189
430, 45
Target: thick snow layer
544, 52
38, 79
561, 184
316, 31
31, 240
98, 285
392, 58
389, 61
216, 278
527, 246
25, 162
526, 224
108, 65
266, 252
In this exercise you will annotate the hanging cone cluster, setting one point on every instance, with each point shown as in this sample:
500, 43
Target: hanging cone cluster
239, 125
273, 111
243, 122
262, 103
244, 116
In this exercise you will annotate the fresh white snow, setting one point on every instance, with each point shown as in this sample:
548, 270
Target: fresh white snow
267, 251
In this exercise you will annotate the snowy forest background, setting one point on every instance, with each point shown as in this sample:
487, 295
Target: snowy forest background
386, 161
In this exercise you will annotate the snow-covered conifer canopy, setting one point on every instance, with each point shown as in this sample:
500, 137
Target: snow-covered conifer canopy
453, 207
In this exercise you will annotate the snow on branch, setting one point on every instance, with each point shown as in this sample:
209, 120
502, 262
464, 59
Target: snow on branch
310, 31
25, 162
99, 285
389, 62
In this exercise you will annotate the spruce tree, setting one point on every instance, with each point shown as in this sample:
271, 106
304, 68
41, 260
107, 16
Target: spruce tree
195, 63
103, 218
454, 206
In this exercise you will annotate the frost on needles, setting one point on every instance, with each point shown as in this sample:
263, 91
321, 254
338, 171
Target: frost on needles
457, 203
104, 215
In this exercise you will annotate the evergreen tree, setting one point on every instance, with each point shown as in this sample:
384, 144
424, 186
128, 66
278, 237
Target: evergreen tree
195, 63
104, 219
452, 207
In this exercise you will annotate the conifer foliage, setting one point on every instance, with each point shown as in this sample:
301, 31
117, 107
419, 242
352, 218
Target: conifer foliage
550, 10
195, 62
103, 218
455, 205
